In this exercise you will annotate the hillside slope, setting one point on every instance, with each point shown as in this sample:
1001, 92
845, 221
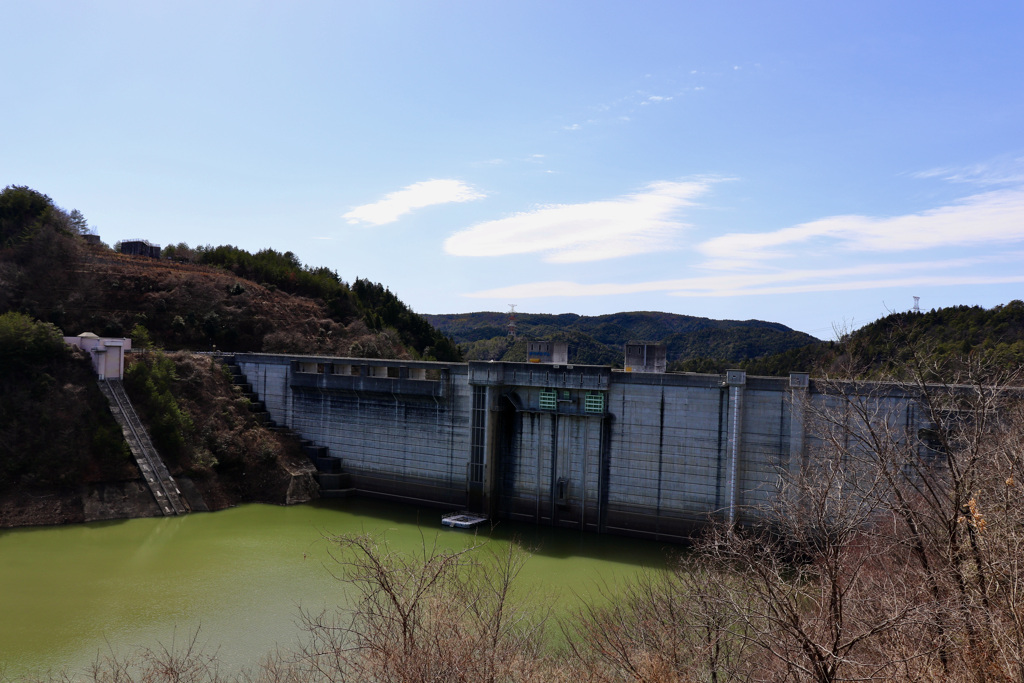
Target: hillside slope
224, 298
63, 458
888, 345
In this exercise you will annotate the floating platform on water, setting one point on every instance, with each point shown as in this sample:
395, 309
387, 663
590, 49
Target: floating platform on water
463, 520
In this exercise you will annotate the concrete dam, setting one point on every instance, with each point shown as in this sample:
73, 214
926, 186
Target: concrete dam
643, 454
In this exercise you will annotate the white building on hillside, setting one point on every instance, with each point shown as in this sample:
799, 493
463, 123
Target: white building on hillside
107, 353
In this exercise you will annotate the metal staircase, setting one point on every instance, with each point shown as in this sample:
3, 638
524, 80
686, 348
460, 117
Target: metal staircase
160, 482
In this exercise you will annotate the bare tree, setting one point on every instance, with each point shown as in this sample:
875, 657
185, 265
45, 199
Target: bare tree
811, 587
662, 627
440, 616
950, 489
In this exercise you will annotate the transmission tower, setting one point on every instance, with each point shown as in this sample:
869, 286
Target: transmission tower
917, 305
512, 320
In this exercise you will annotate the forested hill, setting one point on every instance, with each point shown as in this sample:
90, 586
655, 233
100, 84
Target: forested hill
600, 339
196, 298
890, 344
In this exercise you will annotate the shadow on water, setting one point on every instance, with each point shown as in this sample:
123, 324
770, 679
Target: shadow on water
543, 541
102, 524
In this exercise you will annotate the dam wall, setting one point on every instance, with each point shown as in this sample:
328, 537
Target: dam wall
399, 430
643, 454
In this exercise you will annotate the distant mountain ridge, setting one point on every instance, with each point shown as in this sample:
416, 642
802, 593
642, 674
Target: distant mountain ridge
890, 345
600, 339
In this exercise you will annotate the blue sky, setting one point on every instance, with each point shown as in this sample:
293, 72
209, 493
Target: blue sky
817, 164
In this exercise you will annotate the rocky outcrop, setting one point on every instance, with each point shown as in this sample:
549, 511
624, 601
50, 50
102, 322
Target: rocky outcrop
303, 486
120, 500
87, 503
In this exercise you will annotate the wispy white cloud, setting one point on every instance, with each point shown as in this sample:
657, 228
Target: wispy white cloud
410, 198
637, 223
923, 280
995, 172
989, 224
867, 276
987, 218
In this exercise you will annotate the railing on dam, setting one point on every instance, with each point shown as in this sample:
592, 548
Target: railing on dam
371, 377
592, 377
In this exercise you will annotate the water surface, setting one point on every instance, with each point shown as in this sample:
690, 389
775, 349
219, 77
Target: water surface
241, 576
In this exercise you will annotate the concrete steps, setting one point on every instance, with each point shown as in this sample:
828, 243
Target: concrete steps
256, 406
334, 482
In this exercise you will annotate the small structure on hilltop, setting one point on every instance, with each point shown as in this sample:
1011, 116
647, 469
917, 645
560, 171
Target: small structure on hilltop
140, 248
645, 357
547, 352
107, 353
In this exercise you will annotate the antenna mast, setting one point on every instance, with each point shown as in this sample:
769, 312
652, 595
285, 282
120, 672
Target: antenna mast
512, 321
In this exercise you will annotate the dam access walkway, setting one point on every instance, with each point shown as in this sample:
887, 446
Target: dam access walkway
159, 480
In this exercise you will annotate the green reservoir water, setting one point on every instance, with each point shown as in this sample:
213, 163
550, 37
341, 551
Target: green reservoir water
241, 577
